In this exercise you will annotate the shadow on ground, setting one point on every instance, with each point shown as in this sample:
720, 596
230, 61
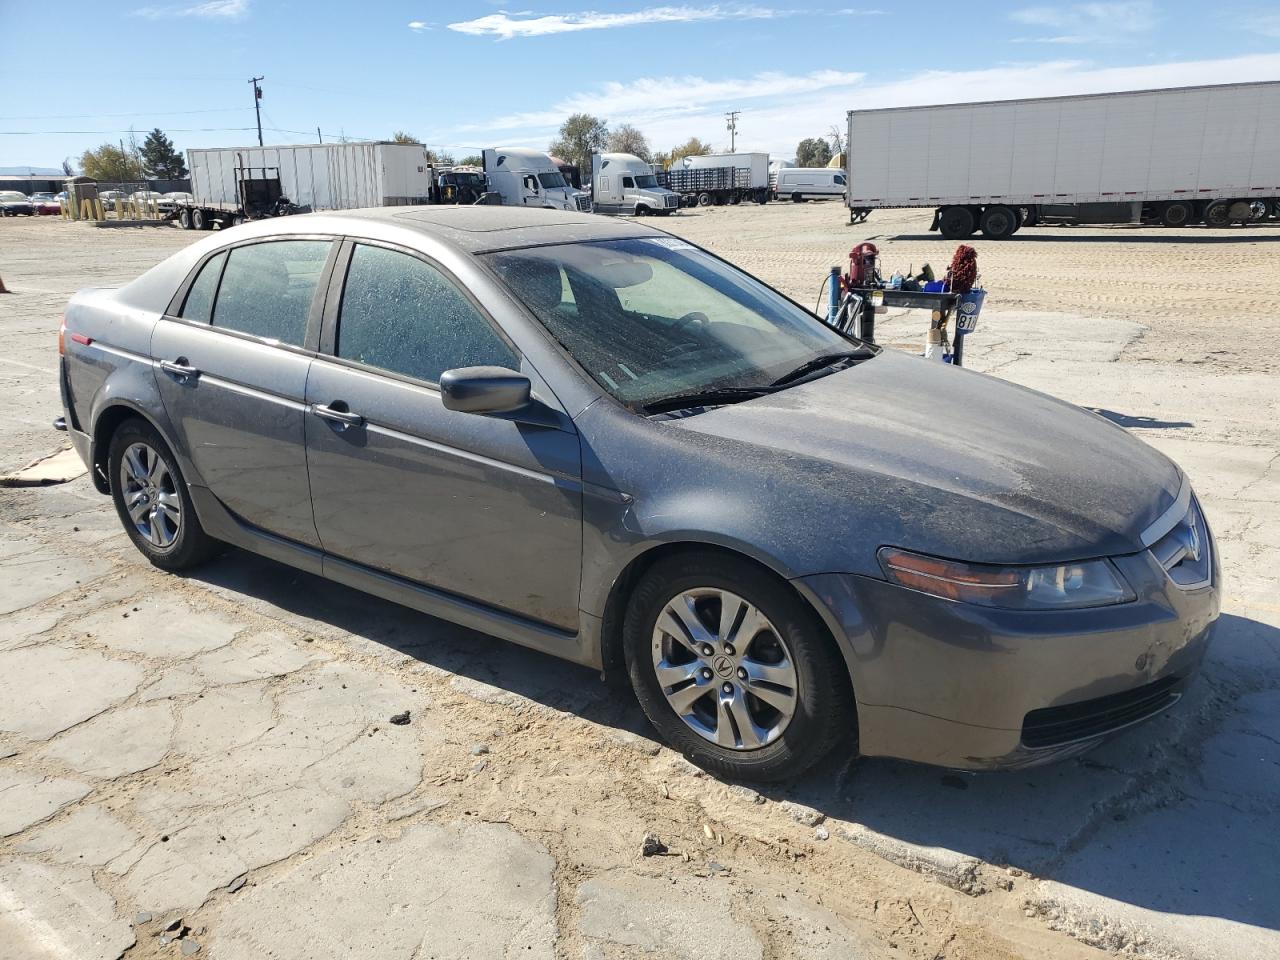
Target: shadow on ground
1180, 815
1147, 423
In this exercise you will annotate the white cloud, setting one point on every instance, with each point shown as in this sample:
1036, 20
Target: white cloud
211, 9
780, 110
650, 98
418, 26
1088, 22
506, 26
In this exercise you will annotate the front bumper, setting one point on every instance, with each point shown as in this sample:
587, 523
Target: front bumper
972, 687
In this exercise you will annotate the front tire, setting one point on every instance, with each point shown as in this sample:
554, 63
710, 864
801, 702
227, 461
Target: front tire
956, 223
152, 501
733, 669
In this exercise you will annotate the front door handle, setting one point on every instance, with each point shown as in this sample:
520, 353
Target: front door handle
334, 415
179, 368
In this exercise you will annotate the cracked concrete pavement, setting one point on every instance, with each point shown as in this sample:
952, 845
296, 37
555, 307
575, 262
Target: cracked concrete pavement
207, 762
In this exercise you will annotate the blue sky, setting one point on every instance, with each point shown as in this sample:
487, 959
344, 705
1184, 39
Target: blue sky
465, 75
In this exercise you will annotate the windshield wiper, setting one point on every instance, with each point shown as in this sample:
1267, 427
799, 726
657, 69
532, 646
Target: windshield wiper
817, 363
700, 398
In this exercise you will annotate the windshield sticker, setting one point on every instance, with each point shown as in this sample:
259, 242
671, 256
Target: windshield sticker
671, 243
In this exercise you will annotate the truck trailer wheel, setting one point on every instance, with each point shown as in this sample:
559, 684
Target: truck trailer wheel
998, 222
184, 218
705, 199
198, 220
956, 223
1218, 214
1177, 213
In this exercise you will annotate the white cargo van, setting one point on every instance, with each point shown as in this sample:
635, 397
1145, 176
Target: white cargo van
529, 178
623, 183
808, 183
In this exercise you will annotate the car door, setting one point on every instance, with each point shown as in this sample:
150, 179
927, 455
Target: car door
232, 361
482, 507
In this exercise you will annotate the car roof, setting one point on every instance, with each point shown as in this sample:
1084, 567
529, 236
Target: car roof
483, 228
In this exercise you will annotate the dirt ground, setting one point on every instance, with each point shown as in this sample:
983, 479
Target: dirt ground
216, 748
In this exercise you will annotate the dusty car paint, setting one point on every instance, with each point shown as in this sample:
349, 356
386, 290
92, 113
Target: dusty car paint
809, 482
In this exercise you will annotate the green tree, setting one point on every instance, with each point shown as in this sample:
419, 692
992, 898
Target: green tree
401, 137
443, 157
472, 160
625, 138
580, 136
813, 152
693, 147
110, 164
159, 159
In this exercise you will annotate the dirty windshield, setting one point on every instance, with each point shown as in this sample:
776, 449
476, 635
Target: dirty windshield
654, 318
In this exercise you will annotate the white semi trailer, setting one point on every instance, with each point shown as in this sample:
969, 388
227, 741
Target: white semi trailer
530, 178
232, 184
1173, 156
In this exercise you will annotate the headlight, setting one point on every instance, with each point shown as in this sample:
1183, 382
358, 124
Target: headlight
1091, 583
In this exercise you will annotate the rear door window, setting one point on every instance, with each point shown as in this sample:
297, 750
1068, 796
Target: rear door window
199, 304
403, 315
267, 289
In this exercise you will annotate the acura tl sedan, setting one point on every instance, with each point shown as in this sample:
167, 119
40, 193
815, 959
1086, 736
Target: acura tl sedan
601, 441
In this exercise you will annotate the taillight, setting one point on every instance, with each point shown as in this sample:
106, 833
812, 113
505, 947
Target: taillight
62, 338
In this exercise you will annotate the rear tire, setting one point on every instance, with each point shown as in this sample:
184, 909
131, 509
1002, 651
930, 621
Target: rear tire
145, 479
789, 645
956, 223
184, 218
705, 200
1218, 214
796, 198
1176, 213
198, 220
998, 222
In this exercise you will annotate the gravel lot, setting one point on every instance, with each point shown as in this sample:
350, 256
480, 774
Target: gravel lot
208, 761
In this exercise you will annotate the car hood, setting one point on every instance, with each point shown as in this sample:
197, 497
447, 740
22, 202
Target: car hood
935, 458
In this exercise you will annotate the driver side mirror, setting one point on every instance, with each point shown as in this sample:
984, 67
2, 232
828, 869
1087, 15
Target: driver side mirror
484, 390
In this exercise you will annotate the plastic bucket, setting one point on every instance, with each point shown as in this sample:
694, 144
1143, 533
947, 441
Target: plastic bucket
967, 310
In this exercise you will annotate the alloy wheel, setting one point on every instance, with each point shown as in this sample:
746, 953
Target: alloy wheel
724, 668
150, 495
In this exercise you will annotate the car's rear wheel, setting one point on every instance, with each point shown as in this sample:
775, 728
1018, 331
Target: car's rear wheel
733, 669
152, 501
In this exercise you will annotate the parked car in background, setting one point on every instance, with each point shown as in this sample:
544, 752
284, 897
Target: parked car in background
604, 442
15, 204
146, 196
112, 196
45, 204
62, 197
169, 202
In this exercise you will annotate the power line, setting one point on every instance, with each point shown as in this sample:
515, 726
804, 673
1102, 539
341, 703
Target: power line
43, 133
132, 113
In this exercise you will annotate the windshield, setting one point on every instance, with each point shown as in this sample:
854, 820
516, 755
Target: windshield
646, 181
551, 180
654, 317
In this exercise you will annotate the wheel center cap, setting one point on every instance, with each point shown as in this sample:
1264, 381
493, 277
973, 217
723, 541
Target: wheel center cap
723, 666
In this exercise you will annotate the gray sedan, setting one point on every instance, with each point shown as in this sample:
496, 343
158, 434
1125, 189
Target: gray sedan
606, 443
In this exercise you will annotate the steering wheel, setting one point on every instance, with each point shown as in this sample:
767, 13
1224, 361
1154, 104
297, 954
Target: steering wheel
693, 316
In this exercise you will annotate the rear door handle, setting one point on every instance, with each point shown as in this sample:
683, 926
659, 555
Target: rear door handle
179, 368
344, 417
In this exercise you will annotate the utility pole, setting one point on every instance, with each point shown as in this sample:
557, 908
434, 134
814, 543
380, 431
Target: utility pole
732, 117
257, 105
319, 135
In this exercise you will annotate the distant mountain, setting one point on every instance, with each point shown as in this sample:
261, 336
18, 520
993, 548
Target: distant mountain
30, 171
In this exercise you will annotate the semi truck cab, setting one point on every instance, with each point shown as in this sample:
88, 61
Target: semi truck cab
623, 183
529, 178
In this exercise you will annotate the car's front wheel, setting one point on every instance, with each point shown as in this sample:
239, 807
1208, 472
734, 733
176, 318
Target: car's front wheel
152, 499
734, 669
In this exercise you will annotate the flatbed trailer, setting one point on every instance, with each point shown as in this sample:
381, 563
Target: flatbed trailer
705, 186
